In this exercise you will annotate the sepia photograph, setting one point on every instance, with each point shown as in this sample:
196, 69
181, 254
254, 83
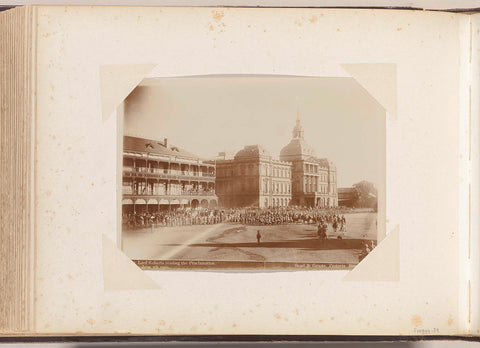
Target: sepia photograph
251, 173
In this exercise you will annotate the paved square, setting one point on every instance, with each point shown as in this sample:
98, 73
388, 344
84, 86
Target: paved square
292, 243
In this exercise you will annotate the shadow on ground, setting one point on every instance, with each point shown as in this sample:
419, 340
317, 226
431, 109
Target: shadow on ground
302, 244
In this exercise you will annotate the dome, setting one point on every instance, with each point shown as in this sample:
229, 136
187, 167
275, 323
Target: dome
298, 148
250, 151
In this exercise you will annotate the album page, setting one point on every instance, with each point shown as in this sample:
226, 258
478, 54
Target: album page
474, 189
250, 171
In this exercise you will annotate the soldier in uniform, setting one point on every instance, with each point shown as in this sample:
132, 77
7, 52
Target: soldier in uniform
322, 231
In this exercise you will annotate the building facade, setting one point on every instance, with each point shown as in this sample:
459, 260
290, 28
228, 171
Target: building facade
347, 196
254, 178
159, 176
314, 179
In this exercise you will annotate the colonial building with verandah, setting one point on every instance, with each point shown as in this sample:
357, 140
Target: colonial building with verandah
159, 176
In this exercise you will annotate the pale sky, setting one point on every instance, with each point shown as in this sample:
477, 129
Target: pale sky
206, 115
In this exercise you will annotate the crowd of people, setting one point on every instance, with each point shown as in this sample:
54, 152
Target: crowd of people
285, 215
367, 248
246, 216
178, 217
338, 223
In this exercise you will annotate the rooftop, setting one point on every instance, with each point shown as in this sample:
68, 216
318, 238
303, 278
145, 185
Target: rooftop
296, 149
161, 148
250, 151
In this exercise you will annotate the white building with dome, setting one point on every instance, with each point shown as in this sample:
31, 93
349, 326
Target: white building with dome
314, 179
254, 178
